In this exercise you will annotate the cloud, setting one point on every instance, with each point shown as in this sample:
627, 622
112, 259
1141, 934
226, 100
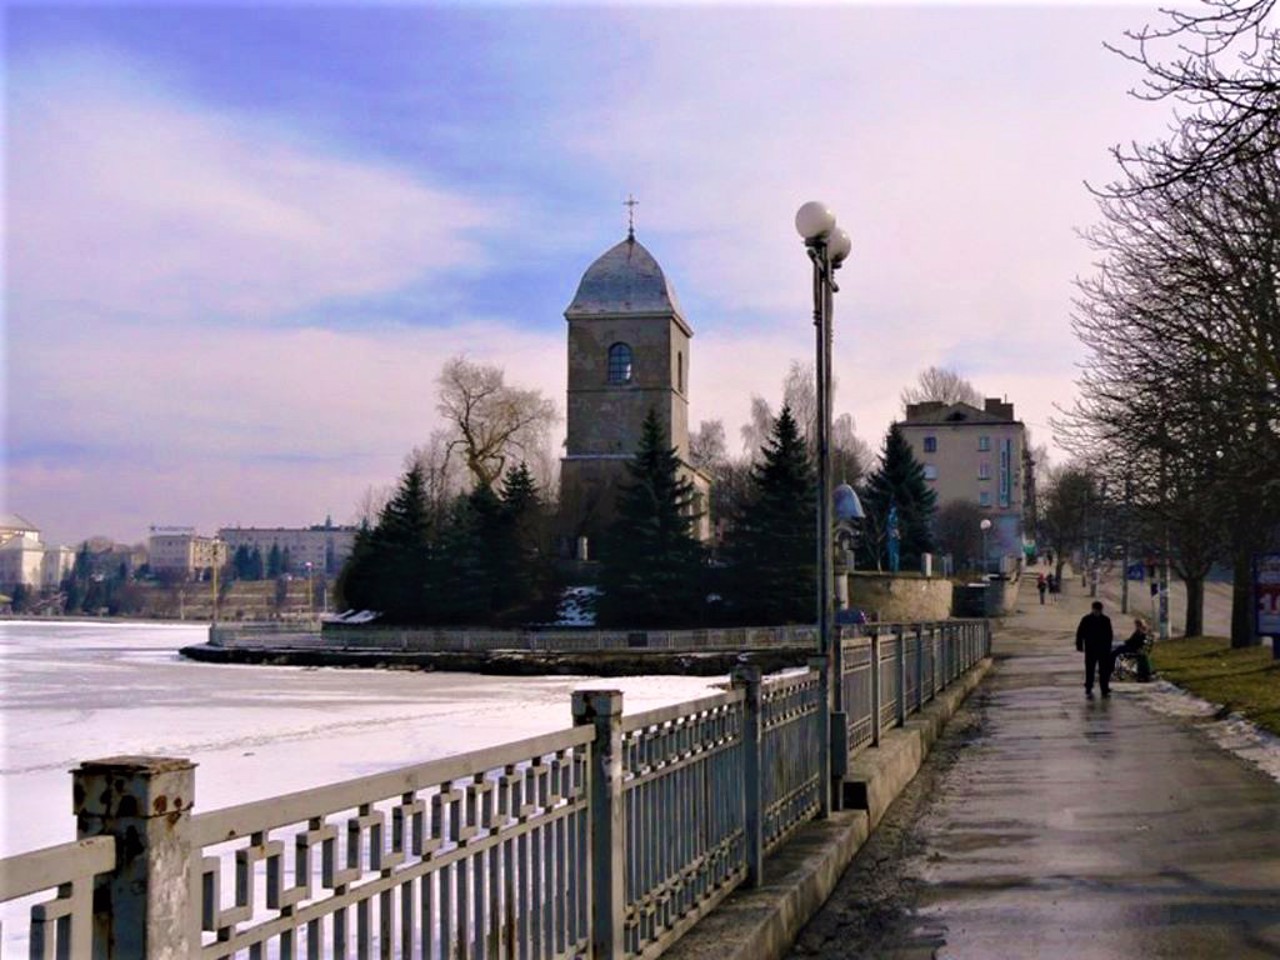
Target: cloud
216, 317
134, 201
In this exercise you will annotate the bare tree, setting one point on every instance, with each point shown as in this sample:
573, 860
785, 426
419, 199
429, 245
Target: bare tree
1219, 64
1182, 326
493, 426
369, 507
943, 386
850, 455
1068, 501
708, 447
958, 529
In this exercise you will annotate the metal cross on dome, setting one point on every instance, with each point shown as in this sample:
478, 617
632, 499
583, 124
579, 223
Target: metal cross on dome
630, 203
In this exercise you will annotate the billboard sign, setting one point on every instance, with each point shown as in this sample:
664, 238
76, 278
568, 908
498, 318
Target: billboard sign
1266, 588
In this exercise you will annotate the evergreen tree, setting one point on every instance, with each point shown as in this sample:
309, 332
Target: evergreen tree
522, 559
74, 592
772, 547
274, 568
390, 566
463, 568
242, 562
652, 573
899, 481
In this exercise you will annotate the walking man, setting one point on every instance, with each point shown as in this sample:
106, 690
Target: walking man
1094, 637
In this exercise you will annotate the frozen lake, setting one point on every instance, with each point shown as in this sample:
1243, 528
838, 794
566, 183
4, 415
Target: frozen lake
83, 691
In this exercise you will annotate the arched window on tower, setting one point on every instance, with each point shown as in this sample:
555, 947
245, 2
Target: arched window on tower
620, 363
680, 372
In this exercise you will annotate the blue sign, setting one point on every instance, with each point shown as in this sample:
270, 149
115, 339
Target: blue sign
1136, 571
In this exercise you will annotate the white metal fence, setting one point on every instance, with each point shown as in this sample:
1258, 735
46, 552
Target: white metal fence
607, 839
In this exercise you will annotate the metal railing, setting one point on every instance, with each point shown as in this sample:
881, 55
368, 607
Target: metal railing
61, 923
608, 839
469, 856
685, 841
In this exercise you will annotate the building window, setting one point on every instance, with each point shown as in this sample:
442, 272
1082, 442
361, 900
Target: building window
984, 470
680, 372
984, 498
930, 444
620, 363
984, 443
930, 472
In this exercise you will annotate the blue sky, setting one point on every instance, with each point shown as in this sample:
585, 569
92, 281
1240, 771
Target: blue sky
241, 242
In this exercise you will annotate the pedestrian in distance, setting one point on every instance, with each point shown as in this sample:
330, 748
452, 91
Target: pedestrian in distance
1094, 638
1042, 587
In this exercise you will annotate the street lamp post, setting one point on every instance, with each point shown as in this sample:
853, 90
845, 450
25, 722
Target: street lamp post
827, 247
985, 526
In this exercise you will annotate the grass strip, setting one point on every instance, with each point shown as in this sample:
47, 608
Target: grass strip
1245, 681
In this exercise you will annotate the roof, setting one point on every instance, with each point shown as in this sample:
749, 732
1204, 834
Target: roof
624, 280
11, 521
934, 412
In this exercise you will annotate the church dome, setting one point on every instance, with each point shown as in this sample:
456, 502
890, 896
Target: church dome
624, 280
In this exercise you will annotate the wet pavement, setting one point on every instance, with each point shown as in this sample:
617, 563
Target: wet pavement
1045, 825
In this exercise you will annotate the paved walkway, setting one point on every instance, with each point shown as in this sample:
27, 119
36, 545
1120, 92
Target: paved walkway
1046, 825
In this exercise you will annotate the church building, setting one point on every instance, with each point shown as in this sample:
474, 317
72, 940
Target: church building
628, 353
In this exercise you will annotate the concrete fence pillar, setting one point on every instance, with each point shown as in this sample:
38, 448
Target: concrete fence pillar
603, 710
918, 639
146, 907
827, 795
747, 677
901, 673
877, 695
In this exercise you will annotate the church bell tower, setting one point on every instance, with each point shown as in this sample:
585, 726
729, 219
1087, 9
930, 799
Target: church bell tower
628, 354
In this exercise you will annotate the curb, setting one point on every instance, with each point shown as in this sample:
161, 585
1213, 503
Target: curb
763, 922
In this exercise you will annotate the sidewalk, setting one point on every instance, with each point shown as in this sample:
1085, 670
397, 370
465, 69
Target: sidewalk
1065, 827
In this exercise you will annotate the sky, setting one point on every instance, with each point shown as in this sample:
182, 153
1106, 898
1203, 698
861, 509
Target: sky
242, 240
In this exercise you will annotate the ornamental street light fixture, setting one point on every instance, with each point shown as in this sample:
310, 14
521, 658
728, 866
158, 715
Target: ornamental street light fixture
827, 247
984, 526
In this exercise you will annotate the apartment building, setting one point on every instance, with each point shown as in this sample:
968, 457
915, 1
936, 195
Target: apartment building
324, 546
181, 551
978, 456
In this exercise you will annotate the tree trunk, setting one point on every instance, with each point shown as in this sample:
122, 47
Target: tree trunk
1195, 606
1241, 600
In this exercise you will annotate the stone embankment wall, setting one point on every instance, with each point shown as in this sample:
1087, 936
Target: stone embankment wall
900, 598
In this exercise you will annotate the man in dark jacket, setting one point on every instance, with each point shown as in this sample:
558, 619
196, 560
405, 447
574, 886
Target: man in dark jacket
1094, 637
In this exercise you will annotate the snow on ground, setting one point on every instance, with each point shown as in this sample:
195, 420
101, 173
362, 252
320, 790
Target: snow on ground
1233, 732
82, 691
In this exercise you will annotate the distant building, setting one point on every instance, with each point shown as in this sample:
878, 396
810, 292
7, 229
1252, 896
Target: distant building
326, 547
22, 561
180, 551
979, 456
26, 559
12, 525
628, 354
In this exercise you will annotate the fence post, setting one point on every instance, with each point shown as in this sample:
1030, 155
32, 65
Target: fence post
603, 709
901, 633
839, 724
747, 676
919, 632
145, 907
876, 693
823, 666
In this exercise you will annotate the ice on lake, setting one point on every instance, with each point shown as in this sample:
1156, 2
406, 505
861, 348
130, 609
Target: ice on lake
84, 691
